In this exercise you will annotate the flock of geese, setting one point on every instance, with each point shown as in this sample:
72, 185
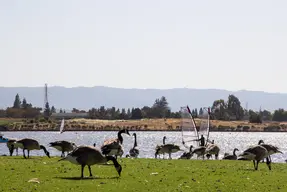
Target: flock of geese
113, 148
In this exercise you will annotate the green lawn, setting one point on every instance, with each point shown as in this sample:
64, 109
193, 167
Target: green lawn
141, 175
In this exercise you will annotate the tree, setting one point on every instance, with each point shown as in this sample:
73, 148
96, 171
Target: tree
47, 111
200, 111
53, 109
234, 107
136, 113
17, 102
160, 107
24, 104
219, 109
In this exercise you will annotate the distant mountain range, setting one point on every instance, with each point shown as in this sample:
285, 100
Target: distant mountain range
88, 97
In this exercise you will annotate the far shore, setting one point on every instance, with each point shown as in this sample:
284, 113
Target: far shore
78, 125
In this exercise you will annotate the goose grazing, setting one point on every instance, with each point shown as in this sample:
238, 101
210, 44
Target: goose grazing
63, 146
29, 144
11, 148
270, 148
114, 146
256, 154
134, 152
231, 157
199, 151
187, 155
88, 155
167, 148
212, 149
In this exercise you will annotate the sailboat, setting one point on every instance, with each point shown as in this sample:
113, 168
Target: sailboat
205, 127
62, 126
188, 128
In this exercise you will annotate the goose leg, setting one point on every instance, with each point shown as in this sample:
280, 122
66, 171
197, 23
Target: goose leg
62, 155
268, 162
28, 153
254, 164
90, 170
257, 162
24, 153
169, 155
216, 156
82, 171
17, 151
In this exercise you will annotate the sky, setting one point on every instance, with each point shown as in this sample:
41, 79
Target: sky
162, 44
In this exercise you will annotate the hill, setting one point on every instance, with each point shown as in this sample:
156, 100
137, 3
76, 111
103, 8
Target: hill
88, 97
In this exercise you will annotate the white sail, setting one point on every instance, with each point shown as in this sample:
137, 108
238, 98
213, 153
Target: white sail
188, 128
205, 127
62, 126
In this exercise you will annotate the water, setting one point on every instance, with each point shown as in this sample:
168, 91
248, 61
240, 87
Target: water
147, 141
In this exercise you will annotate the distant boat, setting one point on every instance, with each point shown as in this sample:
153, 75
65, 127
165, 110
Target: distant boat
62, 126
3, 139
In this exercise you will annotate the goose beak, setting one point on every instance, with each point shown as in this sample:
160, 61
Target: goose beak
280, 152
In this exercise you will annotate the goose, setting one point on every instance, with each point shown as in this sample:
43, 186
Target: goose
114, 146
231, 157
29, 144
88, 155
186, 155
167, 148
270, 148
199, 151
212, 149
134, 152
10, 147
256, 154
63, 146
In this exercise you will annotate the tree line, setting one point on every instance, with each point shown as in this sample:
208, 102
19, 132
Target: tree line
230, 109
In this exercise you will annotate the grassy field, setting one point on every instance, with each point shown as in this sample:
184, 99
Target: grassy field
141, 175
6, 121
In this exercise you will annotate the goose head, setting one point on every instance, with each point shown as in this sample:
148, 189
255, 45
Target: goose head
260, 142
163, 140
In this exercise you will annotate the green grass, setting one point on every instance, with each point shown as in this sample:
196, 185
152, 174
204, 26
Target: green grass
172, 175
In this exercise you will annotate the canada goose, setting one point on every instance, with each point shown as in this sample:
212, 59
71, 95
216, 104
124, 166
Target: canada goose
256, 154
10, 147
212, 149
114, 146
199, 151
270, 149
134, 152
167, 148
63, 146
29, 144
186, 155
88, 155
231, 157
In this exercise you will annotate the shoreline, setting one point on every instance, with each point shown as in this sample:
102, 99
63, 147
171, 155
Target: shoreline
220, 131
159, 125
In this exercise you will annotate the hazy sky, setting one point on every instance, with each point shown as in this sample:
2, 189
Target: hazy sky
228, 44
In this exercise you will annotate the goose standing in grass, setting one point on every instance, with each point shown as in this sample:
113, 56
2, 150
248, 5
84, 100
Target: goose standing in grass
167, 148
11, 148
256, 154
63, 146
88, 156
134, 152
231, 157
199, 151
29, 144
212, 149
270, 149
187, 155
114, 146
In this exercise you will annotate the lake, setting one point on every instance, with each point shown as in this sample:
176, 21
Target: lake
147, 141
